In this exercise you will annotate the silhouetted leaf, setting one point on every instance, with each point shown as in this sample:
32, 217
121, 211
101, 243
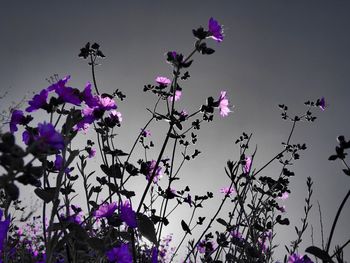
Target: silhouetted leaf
47, 194
146, 228
185, 227
319, 253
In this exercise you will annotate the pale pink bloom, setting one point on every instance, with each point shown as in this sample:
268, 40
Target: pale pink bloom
107, 103
248, 164
163, 81
284, 196
178, 94
224, 104
116, 114
87, 111
227, 190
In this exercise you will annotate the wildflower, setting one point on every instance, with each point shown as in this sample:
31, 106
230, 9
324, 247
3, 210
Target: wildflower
91, 152
105, 210
116, 115
128, 215
90, 100
154, 258
4, 227
17, 117
236, 234
177, 95
150, 167
227, 190
205, 246
106, 103
120, 254
284, 196
145, 133
67, 94
296, 258
215, 30
321, 103
223, 104
164, 81
38, 101
49, 137
248, 164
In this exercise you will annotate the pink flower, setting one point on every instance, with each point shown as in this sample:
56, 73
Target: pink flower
163, 81
248, 164
223, 104
106, 103
284, 196
178, 94
116, 115
227, 190
105, 210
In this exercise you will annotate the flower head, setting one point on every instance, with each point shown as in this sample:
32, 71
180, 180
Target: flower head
163, 81
284, 196
215, 30
150, 167
145, 133
106, 103
128, 215
321, 103
17, 117
120, 254
296, 258
4, 227
90, 100
105, 210
50, 137
38, 101
223, 104
227, 190
248, 164
116, 116
177, 96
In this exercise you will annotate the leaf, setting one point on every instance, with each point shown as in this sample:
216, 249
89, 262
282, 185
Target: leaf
47, 194
221, 221
185, 227
319, 253
146, 228
332, 157
346, 171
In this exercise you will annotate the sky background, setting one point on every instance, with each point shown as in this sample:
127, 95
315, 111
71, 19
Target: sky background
273, 52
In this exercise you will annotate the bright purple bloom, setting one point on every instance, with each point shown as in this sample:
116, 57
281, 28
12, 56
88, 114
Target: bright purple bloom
227, 190
163, 81
296, 258
49, 137
215, 30
90, 100
4, 227
248, 164
26, 137
67, 94
105, 210
154, 258
38, 101
128, 215
17, 117
59, 164
145, 133
120, 254
223, 104
178, 94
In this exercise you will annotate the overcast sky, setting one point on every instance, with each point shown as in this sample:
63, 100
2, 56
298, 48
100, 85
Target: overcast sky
273, 52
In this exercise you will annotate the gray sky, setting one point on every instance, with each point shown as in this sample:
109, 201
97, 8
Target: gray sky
273, 52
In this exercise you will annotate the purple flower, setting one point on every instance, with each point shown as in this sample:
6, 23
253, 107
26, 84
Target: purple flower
236, 234
321, 103
17, 117
4, 227
145, 133
227, 190
49, 137
284, 196
120, 254
223, 104
106, 103
164, 81
90, 100
154, 258
38, 101
67, 94
296, 258
91, 152
105, 210
59, 164
177, 96
215, 30
151, 166
128, 215
248, 164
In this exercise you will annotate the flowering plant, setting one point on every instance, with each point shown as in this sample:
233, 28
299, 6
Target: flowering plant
117, 224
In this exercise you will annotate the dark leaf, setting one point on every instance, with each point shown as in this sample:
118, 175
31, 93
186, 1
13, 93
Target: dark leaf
185, 227
47, 194
319, 253
146, 228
